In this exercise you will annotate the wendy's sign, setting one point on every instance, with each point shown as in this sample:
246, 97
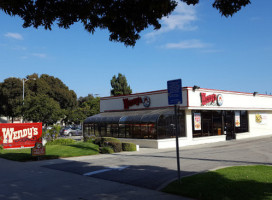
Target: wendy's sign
20, 135
136, 101
211, 100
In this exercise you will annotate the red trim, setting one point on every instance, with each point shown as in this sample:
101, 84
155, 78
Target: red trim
183, 88
228, 91
137, 94
220, 108
187, 98
154, 108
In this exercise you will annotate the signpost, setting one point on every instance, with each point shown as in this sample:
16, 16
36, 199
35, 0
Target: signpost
174, 98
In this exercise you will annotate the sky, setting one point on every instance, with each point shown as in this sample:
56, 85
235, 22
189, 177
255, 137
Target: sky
195, 44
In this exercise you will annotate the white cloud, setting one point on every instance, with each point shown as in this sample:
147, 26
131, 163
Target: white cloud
181, 19
19, 48
16, 36
187, 44
39, 55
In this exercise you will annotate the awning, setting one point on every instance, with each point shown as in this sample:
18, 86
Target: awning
129, 117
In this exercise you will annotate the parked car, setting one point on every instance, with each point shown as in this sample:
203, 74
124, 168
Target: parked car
65, 130
71, 131
75, 131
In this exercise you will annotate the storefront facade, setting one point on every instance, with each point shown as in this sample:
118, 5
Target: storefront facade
205, 116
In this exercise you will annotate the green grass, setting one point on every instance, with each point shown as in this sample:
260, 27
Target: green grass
232, 183
52, 152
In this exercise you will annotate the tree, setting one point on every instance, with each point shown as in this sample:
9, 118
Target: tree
87, 106
11, 92
120, 86
60, 92
54, 88
124, 19
44, 86
42, 108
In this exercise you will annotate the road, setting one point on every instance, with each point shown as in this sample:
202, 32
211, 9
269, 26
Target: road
126, 175
153, 169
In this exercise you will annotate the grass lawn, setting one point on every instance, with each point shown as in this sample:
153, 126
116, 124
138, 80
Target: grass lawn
232, 183
52, 151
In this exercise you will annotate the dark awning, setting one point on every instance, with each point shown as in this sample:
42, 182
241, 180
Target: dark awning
129, 117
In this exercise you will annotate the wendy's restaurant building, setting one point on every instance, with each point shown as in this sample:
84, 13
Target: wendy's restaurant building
205, 116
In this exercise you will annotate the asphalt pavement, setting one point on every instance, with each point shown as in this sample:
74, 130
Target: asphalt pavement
126, 175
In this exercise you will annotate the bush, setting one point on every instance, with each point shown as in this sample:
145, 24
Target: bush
1, 147
106, 150
126, 146
61, 141
110, 139
113, 143
90, 139
98, 141
116, 146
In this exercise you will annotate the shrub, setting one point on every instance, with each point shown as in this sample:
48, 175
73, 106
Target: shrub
102, 140
126, 146
1, 147
98, 141
106, 150
89, 139
116, 146
61, 141
110, 139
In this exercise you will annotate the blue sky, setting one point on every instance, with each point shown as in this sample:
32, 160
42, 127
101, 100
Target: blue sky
195, 44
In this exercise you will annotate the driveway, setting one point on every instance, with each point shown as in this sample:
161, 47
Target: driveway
126, 175
153, 169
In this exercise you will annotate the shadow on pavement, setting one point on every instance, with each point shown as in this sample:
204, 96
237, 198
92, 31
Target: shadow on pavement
151, 177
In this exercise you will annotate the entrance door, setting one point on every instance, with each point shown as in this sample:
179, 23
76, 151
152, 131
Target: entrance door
229, 125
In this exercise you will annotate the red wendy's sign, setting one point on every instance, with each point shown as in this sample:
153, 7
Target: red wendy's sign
20, 135
212, 99
207, 99
136, 101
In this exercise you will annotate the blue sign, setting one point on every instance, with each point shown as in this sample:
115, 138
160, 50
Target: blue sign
174, 92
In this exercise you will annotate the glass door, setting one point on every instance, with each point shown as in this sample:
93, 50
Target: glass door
229, 125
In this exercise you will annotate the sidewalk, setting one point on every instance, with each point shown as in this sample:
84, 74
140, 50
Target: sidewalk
30, 181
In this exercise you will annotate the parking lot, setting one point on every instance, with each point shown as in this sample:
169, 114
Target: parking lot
152, 168
125, 175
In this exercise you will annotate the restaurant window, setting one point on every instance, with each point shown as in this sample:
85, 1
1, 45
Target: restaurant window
241, 121
145, 124
166, 125
207, 123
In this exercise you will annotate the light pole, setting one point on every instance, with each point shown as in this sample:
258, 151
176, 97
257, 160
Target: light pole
25, 80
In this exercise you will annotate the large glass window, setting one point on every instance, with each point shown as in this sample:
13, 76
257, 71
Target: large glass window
215, 122
206, 123
145, 124
166, 125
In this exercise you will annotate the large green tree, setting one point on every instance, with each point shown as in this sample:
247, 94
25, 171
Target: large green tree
124, 19
42, 108
11, 97
119, 85
54, 88
48, 87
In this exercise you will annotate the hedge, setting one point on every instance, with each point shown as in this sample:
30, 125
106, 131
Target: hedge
126, 146
61, 141
116, 146
106, 150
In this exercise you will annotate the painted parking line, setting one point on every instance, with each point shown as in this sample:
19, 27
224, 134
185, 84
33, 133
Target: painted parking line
119, 168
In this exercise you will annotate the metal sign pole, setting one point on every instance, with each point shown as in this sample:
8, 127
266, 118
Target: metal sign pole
177, 141
174, 98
